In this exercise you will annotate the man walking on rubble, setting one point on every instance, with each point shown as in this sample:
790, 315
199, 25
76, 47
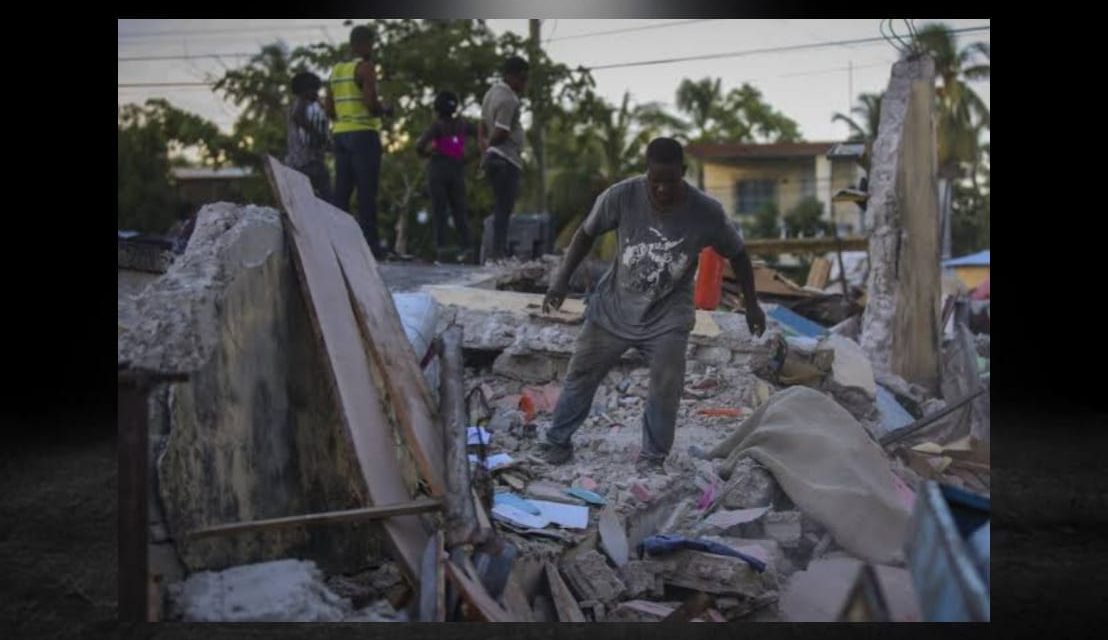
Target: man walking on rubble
645, 300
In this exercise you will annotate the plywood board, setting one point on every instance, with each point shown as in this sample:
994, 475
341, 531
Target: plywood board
531, 303
564, 603
393, 355
366, 425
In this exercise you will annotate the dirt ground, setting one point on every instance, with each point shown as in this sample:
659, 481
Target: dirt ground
58, 533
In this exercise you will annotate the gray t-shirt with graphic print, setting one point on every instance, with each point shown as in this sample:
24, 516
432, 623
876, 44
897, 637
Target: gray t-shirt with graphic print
648, 290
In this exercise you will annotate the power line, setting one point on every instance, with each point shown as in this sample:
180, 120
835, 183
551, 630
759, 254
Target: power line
136, 85
201, 32
747, 52
591, 34
815, 72
247, 55
184, 57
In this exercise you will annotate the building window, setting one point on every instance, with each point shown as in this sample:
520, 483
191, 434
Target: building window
752, 195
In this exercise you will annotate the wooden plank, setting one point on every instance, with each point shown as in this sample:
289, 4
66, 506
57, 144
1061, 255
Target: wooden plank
432, 600
564, 603
367, 427
476, 596
422, 505
819, 273
515, 601
461, 516
776, 246
389, 349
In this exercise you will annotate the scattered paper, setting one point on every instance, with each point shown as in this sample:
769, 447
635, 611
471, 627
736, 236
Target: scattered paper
519, 517
564, 515
493, 462
478, 435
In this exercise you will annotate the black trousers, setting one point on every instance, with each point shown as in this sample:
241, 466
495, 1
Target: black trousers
447, 183
504, 178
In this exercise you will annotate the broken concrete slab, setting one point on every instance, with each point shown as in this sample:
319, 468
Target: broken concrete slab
749, 485
851, 381
277, 591
784, 527
253, 420
726, 522
642, 578
711, 573
819, 593
642, 611
592, 579
529, 367
900, 326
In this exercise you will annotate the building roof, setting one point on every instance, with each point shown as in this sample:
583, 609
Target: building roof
979, 259
736, 151
207, 173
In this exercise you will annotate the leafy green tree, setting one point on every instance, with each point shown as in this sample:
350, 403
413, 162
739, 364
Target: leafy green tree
805, 220
765, 223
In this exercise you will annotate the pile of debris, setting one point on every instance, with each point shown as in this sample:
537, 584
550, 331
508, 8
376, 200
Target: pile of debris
802, 484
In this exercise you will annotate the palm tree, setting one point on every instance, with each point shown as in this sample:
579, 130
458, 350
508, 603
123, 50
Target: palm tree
962, 115
868, 111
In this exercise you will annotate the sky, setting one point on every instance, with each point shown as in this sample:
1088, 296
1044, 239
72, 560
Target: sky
808, 85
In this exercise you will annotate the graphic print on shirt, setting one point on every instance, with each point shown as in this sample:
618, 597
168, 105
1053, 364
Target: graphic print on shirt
654, 266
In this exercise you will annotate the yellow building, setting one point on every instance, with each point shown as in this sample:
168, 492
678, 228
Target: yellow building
743, 177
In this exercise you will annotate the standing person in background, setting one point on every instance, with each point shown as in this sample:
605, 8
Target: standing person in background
308, 134
500, 137
356, 109
444, 143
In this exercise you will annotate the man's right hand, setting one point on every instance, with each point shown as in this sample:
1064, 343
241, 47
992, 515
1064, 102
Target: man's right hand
555, 296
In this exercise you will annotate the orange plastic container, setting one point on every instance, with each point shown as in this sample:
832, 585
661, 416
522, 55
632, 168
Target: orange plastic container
709, 280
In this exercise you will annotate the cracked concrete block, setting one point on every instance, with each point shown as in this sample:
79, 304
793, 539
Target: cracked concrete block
642, 579
749, 485
784, 527
590, 577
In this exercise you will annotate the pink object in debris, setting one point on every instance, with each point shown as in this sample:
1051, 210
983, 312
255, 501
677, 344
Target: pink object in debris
640, 492
586, 483
708, 497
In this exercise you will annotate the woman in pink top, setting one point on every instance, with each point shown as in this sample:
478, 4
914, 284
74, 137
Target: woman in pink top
444, 143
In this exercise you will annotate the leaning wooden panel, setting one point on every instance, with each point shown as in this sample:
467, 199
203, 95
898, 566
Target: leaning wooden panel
390, 349
366, 424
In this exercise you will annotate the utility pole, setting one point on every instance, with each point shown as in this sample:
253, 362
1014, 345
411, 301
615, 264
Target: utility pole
849, 86
538, 109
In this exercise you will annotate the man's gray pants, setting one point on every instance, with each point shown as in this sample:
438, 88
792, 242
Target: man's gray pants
597, 351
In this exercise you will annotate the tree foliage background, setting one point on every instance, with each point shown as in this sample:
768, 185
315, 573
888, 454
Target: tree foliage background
589, 142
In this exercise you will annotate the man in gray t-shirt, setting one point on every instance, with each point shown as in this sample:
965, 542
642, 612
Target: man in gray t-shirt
645, 300
500, 137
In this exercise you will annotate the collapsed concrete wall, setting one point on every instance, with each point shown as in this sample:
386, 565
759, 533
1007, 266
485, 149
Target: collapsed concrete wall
900, 327
253, 433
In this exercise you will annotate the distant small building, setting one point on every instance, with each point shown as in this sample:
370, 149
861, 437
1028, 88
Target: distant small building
743, 177
198, 186
971, 270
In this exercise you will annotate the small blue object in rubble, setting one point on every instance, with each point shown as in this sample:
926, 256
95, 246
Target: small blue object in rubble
795, 323
517, 502
587, 496
663, 543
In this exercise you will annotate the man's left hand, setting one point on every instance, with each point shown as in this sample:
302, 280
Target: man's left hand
756, 319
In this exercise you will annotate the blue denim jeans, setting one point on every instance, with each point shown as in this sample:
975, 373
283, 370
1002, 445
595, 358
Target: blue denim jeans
595, 353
